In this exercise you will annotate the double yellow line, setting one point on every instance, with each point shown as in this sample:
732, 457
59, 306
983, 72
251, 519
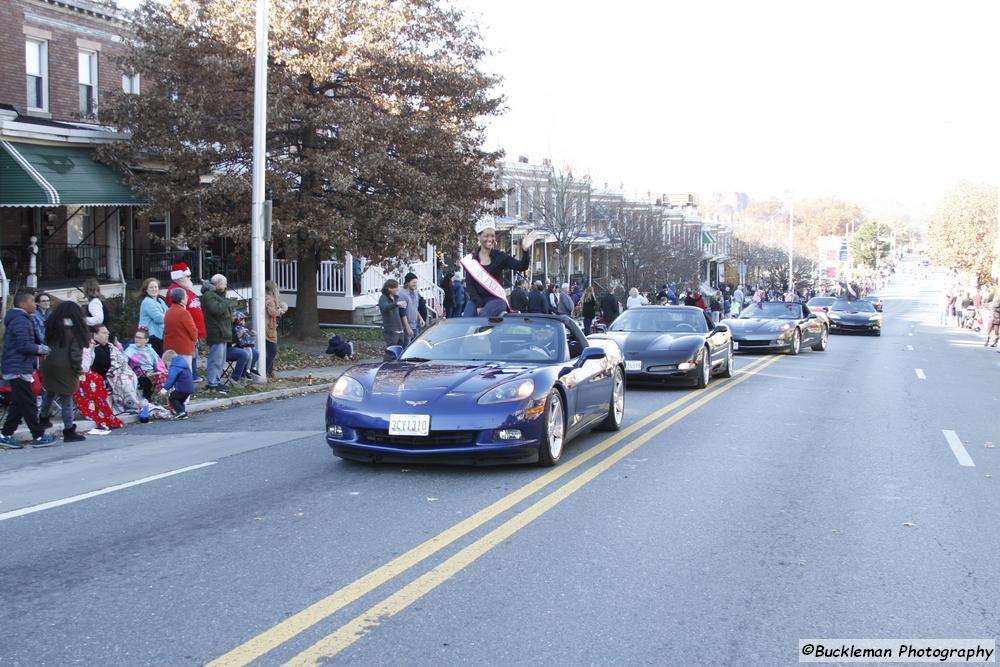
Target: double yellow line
359, 626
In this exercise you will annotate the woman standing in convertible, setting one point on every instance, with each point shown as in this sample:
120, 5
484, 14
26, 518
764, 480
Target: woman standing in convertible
484, 290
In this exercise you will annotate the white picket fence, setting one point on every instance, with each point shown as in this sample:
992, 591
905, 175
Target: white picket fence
336, 278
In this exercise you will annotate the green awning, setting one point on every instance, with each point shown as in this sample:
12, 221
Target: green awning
36, 175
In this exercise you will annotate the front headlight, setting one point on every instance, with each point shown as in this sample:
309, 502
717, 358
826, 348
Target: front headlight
875, 317
833, 316
512, 391
347, 388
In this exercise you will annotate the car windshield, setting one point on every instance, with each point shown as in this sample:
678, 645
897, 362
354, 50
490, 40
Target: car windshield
821, 301
661, 320
853, 307
773, 310
479, 339
871, 297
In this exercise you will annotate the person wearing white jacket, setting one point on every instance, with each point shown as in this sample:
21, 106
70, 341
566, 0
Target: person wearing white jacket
635, 299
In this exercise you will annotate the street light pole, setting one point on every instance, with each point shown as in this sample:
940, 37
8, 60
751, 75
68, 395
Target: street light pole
257, 212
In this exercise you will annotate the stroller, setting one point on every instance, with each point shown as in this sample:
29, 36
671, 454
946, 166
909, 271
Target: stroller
973, 319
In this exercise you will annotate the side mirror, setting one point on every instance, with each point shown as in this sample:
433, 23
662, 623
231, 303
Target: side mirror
393, 352
812, 316
589, 353
720, 328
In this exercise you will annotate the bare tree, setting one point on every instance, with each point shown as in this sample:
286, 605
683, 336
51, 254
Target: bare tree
562, 209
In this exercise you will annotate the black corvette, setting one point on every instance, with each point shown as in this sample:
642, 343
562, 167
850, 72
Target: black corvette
855, 317
671, 344
776, 325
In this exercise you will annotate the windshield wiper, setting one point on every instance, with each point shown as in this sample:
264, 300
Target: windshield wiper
416, 359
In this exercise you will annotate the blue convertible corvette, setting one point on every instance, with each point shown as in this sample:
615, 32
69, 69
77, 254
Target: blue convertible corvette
513, 388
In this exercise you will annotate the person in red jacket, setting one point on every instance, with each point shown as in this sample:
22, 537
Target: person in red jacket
181, 276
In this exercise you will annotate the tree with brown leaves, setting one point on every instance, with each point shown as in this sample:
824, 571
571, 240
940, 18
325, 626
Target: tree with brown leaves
374, 132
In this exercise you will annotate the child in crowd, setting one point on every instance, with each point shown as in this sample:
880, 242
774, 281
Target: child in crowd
180, 381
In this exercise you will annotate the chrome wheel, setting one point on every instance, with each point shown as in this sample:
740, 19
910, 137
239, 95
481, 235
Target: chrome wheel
618, 396
705, 369
796, 343
727, 372
556, 428
616, 408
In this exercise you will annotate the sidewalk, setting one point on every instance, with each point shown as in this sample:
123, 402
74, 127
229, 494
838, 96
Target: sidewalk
322, 377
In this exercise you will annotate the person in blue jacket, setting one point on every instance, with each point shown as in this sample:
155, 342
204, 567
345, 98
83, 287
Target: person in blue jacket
21, 349
459, 298
180, 381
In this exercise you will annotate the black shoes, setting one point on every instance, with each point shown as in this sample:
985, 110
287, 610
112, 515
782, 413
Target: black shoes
70, 435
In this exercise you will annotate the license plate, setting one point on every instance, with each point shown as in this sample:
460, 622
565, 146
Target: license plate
633, 365
409, 424
736, 345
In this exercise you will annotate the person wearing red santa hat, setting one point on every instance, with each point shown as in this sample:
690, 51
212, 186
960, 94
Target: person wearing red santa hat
180, 274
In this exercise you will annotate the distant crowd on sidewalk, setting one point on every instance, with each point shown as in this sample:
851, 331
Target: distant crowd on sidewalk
65, 355
971, 306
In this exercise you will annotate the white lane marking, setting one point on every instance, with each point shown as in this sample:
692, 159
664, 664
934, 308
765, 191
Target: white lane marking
100, 492
910, 348
920, 373
958, 449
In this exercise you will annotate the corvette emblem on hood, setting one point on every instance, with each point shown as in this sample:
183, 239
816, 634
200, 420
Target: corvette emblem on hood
415, 403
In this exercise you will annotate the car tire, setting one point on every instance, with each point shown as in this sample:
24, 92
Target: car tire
704, 369
796, 345
553, 430
823, 338
616, 408
727, 369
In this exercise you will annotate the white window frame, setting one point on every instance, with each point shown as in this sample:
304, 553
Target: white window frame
93, 74
517, 189
130, 83
43, 66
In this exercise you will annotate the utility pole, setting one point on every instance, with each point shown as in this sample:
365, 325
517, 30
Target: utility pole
257, 212
791, 242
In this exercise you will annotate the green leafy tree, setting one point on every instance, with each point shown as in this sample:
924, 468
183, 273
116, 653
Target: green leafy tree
962, 232
870, 244
374, 132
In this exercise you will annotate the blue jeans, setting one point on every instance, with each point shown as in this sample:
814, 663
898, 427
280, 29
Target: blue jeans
408, 339
216, 360
245, 358
194, 359
491, 308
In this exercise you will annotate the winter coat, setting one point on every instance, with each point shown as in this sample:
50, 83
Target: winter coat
179, 377
459, 295
95, 313
20, 344
609, 308
218, 324
179, 331
499, 262
537, 302
194, 308
564, 304
273, 310
151, 313
519, 300
62, 366
589, 308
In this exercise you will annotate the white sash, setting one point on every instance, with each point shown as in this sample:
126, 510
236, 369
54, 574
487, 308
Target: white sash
482, 276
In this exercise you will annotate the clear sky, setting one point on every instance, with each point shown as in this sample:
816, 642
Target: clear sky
870, 100
873, 100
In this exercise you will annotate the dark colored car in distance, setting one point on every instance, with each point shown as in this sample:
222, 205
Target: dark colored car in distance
778, 326
665, 344
875, 300
855, 317
820, 304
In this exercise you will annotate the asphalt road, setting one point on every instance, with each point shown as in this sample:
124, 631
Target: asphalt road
810, 497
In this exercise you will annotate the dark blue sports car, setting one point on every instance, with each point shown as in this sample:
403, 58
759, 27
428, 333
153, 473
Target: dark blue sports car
671, 344
514, 388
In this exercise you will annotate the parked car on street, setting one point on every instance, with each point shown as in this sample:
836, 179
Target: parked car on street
779, 325
671, 344
513, 388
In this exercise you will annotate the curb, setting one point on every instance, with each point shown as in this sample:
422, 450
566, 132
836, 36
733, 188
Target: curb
84, 425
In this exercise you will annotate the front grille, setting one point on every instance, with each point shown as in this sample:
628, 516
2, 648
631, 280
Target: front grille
754, 343
433, 440
662, 369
